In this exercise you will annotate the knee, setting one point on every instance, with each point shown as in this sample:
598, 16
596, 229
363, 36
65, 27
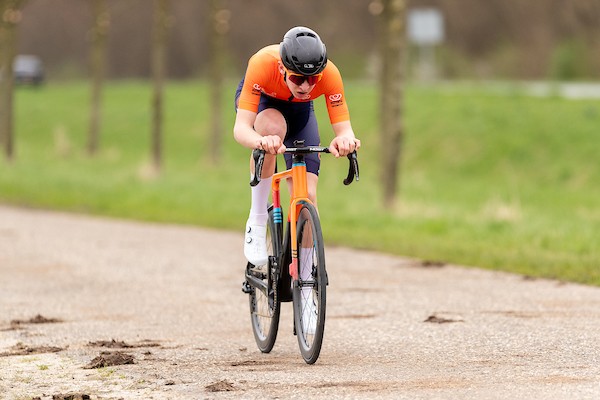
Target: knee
312, 195
312, 187
270, 122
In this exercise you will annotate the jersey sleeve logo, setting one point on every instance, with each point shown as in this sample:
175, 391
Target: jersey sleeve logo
335, 99
256, 89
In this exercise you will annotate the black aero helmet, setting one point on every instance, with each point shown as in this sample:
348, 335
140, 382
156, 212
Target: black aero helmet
303, 52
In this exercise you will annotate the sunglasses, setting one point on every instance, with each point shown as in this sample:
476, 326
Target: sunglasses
298, 79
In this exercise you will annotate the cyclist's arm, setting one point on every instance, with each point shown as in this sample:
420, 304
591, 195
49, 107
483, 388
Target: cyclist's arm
345, 142
244, 134
243, 131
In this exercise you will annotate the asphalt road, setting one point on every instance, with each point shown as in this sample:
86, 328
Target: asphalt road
168, 299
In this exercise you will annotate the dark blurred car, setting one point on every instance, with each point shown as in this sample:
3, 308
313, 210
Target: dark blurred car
28, 69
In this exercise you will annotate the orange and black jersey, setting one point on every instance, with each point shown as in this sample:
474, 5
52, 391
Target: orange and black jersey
263, 77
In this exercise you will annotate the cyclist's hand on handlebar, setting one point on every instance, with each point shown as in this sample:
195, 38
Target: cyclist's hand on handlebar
271, 144
343, 145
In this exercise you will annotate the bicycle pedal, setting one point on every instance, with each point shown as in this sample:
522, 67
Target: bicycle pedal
246, 288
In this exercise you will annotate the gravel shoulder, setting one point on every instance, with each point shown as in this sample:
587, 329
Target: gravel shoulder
165, 301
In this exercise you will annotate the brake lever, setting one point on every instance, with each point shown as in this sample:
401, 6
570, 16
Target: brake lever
259, 158
353, 171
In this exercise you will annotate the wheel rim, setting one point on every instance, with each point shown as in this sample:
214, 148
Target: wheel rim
309, 290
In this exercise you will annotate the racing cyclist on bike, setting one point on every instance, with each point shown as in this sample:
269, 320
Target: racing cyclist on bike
274, 104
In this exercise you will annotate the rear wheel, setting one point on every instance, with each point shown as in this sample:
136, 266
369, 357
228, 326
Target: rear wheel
265, 304
309, 291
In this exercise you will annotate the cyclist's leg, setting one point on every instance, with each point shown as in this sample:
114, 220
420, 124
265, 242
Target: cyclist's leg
312, 181
269, 121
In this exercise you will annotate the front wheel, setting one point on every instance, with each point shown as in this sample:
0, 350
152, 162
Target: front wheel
309, 291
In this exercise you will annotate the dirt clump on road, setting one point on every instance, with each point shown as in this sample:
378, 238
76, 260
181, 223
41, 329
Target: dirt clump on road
20, 349
109, 359
221, 386
38, 319
120, 344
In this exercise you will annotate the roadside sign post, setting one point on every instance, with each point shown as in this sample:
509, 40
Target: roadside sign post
426, 31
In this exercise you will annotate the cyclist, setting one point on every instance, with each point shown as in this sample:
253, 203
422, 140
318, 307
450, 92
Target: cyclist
274, 105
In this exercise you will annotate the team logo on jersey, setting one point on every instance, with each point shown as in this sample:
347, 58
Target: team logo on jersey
335, 99
256, 89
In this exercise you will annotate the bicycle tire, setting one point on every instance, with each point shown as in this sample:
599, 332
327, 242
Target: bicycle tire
265, 309
310, 319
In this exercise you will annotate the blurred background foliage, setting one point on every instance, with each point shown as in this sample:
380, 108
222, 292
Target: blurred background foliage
491, 39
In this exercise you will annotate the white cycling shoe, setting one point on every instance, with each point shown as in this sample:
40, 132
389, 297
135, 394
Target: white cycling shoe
255, 244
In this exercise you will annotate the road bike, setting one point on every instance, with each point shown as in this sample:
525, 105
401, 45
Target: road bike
295, 270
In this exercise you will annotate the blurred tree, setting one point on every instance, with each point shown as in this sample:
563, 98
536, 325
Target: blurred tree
159, 61
10, 16
219, 27
486, 39
393, 21
98, 66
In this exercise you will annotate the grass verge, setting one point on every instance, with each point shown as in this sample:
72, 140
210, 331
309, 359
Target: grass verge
493, 179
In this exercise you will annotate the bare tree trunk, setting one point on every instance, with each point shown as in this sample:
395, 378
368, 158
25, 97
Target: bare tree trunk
5, 80
219, 27
159, 46
10, 16
393, 19
98, 66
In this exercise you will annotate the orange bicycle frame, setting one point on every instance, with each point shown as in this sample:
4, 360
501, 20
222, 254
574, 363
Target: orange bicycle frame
298, 196
299, 192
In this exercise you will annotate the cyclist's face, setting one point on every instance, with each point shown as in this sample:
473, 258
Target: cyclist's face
301, 91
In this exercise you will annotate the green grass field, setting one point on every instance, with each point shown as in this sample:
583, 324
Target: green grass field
497, 180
